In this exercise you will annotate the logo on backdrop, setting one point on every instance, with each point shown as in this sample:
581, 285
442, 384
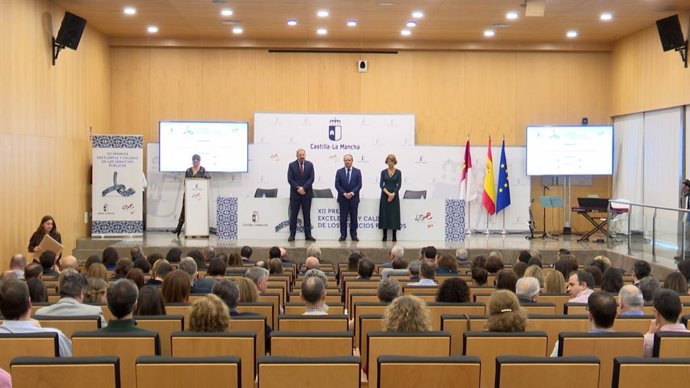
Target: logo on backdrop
335, 130
255, 216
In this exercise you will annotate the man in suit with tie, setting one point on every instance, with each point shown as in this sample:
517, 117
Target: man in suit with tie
301, 177
348, 183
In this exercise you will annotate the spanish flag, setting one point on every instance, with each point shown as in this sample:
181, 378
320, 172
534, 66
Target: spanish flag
489, 195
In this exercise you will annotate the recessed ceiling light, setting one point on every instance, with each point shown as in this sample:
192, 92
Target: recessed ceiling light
571, 34
322, 31
405, 32
512, 15
352, 23
489, 33
411, 24
292, 22
237, 30
129, 10
417, 14
152, 29
606, 16
226, 12
322, 13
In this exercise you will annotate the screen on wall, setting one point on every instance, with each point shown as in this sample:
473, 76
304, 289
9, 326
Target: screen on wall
570, 150
222, 145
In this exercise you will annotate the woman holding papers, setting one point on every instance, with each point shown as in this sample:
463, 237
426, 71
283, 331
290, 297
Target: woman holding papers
389, 205
47, 226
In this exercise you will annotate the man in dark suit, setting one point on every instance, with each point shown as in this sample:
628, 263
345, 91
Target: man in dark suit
300, 176
348, 183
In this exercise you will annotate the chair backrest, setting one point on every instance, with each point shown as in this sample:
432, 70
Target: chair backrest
361, 295
420, 290
126, 346
273, 298
323, 193
546, 308
489, 345
313, 323
297, 308
239, 344
635, 372
164, 325
332, 372
414, 194
266, 193
554, 372
253, 324
27, 344
575, 308
358, 286
605, 346
671, 345
325, 344
634, 323
365, 308
558, 299
555, 324
436, 310
368, 323
267, 309
206, 372
179, 309
65, 372
456, 325
415, 372
68, 325
421, 344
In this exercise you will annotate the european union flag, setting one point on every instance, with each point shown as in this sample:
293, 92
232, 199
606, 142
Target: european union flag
503, 189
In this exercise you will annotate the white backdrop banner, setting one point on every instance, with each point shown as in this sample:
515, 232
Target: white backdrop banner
117, 197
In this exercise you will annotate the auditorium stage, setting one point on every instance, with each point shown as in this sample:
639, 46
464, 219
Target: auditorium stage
477, 243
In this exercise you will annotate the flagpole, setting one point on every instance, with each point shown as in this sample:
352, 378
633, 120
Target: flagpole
503, 232
468, 229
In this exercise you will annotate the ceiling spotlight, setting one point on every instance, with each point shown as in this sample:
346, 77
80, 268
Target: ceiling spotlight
489, 33
129, 10
352, 23
322, 13
152, 29
292, 22
322, 31
405, 32
417, 14
512, 15
606, 16
571, 34
226, 12
411, 24
237, 30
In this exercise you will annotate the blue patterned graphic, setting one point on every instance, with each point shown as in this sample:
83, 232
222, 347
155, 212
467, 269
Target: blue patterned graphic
455, 220
117, 227
117, 141
226, 216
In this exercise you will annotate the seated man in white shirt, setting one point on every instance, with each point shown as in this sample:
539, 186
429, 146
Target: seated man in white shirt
427, 275
71, 286
313, 293
580, 286
15, 306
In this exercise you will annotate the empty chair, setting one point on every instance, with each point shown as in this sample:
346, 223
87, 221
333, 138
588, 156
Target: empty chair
547, 372
66, 372
312, 323
415, 372
414, 194
337, 372
254, 324
287, 344
27, 344
68, 325
206, 372
266, 193
671, 345
323, 193
635, 372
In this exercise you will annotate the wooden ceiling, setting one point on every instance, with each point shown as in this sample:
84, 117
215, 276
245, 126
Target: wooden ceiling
446, 23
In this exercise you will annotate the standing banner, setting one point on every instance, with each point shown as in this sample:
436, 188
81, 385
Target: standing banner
117, 190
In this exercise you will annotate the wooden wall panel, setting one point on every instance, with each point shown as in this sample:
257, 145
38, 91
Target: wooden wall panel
46, 115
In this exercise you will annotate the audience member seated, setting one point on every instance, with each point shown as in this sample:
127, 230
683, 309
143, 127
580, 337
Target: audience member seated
216, 269
143, 265
667, 309
68, 262
158, 272
311, 262
97, 270
453, 290
506, 279
150, 301
109, 258
554, 282
229, 293
174, 255
259, 276
630, 300
648, 285
523, 257
596, 273
47, 260
352, 261
612, 280
479, 277
313, 293
400, 268
641, 269
527, 290
136, 252
154, 257
505, 313
427, 276
209, 314
676, 281
17, 265
71, 286
37, 290
684, 268
122, 298
601, 308
246, 255
33, 271
137, 276
122, 266
91, 260
601, 262
248, 291
447, 265
388, 290
579, 287
15, 306
197, 285
198, 258
396, 252
535, 271
407, 313
462, 257
175, 288
95, 291
235, 260
520, 269
275, 267
494, 262
478, 262
563, 266
535, 261
413, 270
365, 269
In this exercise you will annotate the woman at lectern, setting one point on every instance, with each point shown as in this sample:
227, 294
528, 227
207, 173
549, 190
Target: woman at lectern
47, 226
389, 205
196, 171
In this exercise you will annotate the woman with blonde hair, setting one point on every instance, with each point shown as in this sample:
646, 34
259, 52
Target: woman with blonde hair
534, 271
209, 314
95, 290
97, 270
554, 281
505, 313
407, 313
248, 291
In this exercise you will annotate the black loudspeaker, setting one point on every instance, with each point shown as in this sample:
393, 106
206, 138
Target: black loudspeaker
70, 31
670, 33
